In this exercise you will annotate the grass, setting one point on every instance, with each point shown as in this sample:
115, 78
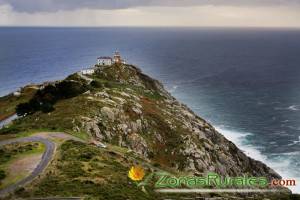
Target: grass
9, 102
11, 153
81, 135
85, 170
172, 137
67, 113
82, 170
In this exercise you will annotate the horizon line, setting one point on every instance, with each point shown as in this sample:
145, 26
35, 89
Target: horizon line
137, 26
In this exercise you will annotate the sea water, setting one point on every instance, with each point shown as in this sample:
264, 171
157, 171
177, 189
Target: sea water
244, 81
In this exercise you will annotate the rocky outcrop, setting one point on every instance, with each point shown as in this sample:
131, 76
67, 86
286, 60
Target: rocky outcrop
138, 113
120, 106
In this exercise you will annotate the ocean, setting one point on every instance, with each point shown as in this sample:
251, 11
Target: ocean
244, 81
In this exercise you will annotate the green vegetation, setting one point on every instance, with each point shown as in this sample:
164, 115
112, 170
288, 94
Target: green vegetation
172, 145
45, 98
123, 107
82, 170
8, 103
59, 106
85, 170
12, 153
2, 175
66, 115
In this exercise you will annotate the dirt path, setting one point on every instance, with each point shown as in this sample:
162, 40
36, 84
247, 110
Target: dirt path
45, 138
25, 165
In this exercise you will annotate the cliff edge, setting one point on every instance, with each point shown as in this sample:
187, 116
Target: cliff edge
119, 105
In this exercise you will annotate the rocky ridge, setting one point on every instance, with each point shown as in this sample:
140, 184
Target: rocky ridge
138, 113
120, 106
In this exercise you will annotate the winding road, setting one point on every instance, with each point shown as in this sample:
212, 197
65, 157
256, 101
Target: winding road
50, 148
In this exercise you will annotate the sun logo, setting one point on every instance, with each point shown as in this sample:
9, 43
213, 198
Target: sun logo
136, 173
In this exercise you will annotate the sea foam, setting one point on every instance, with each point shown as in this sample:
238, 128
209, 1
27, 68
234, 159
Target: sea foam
281, 164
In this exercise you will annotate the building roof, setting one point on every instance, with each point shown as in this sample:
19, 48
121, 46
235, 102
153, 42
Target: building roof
105, 57
89, 68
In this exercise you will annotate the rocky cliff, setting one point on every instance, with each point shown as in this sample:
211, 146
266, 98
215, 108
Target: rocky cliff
144, 117
120, 105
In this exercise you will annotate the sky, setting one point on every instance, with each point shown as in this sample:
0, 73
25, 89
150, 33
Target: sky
195, 13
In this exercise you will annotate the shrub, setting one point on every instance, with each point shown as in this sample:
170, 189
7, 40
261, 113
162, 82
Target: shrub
47, 107
24, 108
97, 84
2, 175
44, 99
68, 89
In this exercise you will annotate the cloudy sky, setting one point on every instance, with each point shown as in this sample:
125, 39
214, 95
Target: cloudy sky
245, 13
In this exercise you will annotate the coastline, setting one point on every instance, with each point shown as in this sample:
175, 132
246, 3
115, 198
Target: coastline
237, 139
4, 117
8, 120
105, 94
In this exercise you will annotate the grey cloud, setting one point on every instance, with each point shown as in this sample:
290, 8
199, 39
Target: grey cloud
55, 5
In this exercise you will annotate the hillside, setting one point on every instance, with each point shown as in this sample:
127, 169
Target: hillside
139, 120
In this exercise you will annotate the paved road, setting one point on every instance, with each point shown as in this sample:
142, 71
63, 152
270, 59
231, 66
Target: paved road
50, 147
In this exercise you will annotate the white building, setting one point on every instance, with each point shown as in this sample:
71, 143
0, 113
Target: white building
88, 71
105, 60
17, 93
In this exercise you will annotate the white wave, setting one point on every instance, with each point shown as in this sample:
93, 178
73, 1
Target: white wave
291, 127
285, 121
294, 153
261, 103
280, 165
292, 108
295, 142
173, 88
239, 139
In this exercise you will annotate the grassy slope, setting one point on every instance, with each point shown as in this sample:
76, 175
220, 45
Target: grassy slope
68, 112
83, 170
9, 154
9, 102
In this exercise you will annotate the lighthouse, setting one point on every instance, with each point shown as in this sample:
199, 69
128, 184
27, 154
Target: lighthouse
118, 59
